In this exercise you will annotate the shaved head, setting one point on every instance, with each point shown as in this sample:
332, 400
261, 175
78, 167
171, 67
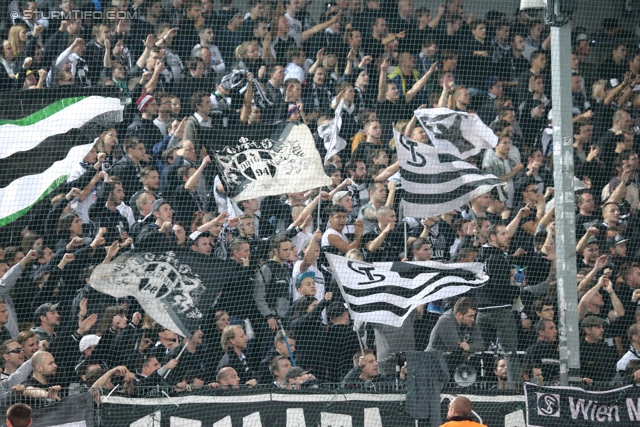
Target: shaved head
461, 405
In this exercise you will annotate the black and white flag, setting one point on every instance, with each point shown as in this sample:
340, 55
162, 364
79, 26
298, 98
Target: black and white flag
434, 182
456, 132
288, 164
329, 134
176, 289
387, 292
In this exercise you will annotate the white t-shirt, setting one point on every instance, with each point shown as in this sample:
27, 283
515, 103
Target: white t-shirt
293, 71
325, 237
295, 29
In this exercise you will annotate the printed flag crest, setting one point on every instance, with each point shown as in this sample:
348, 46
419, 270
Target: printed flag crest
291, 163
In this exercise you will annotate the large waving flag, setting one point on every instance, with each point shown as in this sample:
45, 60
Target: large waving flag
43, 134
176, 289
434, 182
387, 292
289, 163
456, 132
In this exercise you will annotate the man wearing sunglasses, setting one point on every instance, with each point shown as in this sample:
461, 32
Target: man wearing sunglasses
12, 357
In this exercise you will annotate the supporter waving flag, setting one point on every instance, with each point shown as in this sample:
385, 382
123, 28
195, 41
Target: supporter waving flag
387, 292
456, 132
265, 168
435, 183
43, 134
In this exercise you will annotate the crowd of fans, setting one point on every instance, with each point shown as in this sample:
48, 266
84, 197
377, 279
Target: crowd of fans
197, 78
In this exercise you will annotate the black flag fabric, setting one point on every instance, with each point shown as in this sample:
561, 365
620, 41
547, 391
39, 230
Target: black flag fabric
253, 169
175, 288
387, 292
435, 183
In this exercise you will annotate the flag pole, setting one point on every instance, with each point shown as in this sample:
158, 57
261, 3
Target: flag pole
404, 222
238, 214
286, 341
177, 358
354, 324
317, 227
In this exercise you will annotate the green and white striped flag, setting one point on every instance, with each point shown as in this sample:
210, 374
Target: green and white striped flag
43, 134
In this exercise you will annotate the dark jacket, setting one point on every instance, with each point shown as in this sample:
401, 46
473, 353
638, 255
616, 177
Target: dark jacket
243, 369
498, 292
427, 374
146, 131
129, 174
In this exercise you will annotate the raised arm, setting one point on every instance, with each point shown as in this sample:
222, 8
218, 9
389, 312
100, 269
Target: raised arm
382, 80
306, 35
417, 87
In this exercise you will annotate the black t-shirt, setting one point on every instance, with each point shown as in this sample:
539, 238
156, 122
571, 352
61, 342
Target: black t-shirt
597, 361
583, 223
546, 355
475, 68
522, 239
610, 70
389, 113
32, 382
371, 46
390, 249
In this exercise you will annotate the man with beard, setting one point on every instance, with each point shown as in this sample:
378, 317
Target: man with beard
495, 298
40, 384
597, 359
150, 179
104, 213
358, 175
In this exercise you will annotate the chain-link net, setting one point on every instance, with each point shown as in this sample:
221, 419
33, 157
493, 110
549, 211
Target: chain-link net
287, 213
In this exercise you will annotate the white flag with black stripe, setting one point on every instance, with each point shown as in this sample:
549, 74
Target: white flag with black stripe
456, 132
387, 292
435, 183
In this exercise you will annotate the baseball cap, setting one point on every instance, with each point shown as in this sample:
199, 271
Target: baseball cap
582, 36
339, 195
156, 205
592, 239
292, 109
587, 322
87, 341
44, 309
304, 276
616, 240
295, 372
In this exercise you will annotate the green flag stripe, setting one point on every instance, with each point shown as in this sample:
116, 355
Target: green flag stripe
55, 184
44, 113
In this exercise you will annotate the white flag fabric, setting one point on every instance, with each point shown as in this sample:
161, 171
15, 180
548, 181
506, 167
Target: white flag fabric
387, 292
329, 133
435, 183
456, 132
288, 164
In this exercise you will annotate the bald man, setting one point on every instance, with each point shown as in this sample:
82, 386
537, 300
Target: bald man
228, 378
459, 414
